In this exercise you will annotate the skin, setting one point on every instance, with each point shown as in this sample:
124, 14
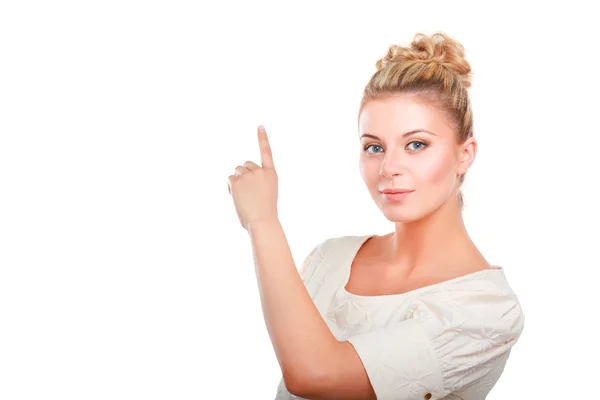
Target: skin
428, 223
429, 228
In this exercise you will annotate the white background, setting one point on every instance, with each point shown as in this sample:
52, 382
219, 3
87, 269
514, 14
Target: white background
124, 271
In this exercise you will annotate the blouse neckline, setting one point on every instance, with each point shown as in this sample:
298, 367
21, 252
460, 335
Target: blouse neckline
360, 240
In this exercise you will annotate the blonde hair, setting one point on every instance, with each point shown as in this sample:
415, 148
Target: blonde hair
434, 68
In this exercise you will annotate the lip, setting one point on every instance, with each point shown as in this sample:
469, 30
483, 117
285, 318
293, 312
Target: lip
395, 195
394, 191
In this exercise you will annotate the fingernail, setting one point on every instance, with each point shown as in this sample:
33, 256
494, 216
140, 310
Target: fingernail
261, 128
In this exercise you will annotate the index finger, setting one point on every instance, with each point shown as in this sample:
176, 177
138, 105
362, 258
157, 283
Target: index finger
266, 155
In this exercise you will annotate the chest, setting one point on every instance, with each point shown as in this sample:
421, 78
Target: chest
371, 279
370, 275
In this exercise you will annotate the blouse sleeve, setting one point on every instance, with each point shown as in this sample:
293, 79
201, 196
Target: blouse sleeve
304, 270
313, 259
441, 349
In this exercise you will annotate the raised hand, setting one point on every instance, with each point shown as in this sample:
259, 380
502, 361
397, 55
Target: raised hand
254, 188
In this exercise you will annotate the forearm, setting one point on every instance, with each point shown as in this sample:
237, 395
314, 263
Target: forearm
299, 334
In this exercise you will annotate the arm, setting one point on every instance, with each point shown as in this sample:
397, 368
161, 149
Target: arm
313, 362
443, 350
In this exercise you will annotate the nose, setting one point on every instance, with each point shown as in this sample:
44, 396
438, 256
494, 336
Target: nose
392, 165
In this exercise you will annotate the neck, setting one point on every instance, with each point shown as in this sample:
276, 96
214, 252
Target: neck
434, 240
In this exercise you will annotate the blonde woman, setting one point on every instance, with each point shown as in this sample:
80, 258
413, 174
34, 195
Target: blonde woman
418, 313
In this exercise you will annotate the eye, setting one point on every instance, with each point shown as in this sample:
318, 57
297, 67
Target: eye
422, 145
371, 145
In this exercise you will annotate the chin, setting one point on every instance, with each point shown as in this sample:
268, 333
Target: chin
403, 219
401, 213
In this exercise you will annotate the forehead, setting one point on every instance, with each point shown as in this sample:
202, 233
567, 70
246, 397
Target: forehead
393, 115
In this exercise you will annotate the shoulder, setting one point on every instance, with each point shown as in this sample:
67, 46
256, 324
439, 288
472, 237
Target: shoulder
331, 251
476, 294
338, 245
481, 308
472, 326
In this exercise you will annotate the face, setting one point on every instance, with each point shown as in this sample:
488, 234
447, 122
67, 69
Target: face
401, 156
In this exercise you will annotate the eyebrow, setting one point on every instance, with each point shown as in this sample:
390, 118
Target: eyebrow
403, 135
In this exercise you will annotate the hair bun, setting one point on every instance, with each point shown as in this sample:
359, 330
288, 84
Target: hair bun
439, 49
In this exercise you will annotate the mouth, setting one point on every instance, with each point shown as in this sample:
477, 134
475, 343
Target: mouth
396, 195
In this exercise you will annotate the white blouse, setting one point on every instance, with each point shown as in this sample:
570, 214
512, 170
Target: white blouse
449, 340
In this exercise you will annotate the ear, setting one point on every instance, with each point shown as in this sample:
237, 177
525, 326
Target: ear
466, 156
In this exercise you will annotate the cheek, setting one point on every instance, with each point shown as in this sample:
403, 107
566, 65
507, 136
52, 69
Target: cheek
434, 169
369, 170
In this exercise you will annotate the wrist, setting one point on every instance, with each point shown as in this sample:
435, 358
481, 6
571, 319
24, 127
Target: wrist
256, 225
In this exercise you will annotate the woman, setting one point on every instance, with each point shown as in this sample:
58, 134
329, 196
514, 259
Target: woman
414, 314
